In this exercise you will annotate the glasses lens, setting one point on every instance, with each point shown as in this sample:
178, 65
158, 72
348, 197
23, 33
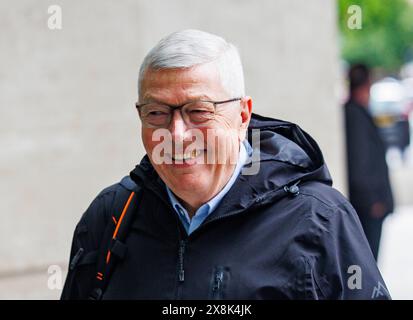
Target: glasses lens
155, 114
199, 111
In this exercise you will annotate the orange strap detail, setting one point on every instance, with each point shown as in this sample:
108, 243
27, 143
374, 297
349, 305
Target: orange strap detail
120, 222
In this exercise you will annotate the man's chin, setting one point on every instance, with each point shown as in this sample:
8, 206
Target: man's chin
189, 183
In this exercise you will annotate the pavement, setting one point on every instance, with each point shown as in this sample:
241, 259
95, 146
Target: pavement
396, 256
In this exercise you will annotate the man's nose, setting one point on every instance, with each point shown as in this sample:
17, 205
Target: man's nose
177, 126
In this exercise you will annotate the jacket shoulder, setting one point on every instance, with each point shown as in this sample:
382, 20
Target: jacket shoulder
324, 196
327, 210
95, 218
104, 201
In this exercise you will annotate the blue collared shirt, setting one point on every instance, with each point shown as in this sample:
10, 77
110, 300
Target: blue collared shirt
206, 209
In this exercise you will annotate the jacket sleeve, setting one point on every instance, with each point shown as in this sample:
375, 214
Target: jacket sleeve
84, 251
345, 267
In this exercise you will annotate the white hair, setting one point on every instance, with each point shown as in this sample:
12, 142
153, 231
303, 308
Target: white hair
188, 48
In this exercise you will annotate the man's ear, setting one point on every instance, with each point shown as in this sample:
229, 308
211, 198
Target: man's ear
246, 111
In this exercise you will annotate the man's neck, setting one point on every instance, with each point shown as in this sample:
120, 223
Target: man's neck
193, 205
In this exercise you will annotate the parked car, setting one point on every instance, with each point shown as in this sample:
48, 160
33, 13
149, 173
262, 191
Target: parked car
389, 106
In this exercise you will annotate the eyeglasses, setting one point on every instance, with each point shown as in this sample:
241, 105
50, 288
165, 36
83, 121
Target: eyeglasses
196, 113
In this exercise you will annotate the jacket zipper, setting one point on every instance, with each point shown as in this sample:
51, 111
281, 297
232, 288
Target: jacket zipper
181, 270
217, 284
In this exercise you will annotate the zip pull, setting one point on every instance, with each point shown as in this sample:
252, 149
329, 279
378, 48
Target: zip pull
219, 277
218, 282
181, 272
182, 275
293, 189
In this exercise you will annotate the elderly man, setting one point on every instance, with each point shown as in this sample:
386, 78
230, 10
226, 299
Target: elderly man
225, 204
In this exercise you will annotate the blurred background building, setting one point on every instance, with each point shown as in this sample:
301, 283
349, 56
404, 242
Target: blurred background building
68, 127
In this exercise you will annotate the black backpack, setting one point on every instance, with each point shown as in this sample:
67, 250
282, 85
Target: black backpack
112, 247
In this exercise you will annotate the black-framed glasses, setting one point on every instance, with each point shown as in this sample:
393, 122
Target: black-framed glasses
196, 113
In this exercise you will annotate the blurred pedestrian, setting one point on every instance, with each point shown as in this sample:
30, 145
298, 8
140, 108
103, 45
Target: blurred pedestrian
368, 178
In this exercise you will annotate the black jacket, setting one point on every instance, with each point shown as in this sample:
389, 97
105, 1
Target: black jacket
368, 176
266, 239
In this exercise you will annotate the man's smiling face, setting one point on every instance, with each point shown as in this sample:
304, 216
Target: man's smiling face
194, 174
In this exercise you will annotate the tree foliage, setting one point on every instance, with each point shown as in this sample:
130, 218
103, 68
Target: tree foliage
386, 35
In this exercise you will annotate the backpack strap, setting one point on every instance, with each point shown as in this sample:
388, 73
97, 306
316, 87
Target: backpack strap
112, 247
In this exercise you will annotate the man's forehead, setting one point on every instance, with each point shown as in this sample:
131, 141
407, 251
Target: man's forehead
162, 76
193, 83
185, 76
